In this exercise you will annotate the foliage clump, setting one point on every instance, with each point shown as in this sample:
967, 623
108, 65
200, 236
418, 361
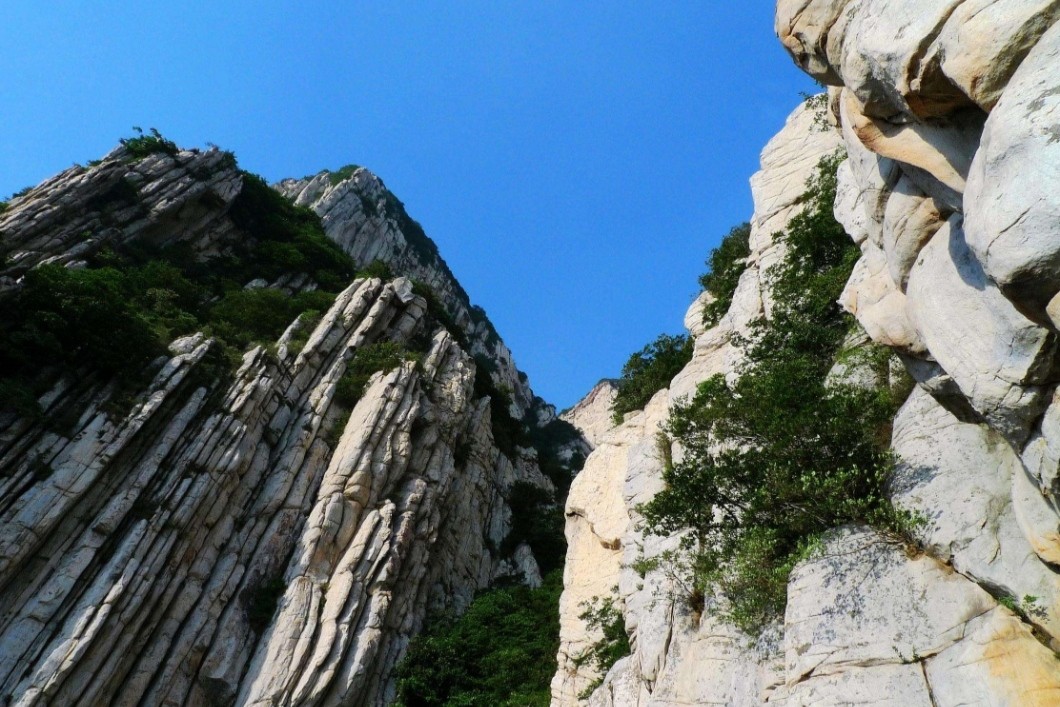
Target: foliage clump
376, 268
604, 618
152, 143
366, 362
501, 653
726, 263
650, 370
113, 317
538, 522
342, 174
285, 238
781, 455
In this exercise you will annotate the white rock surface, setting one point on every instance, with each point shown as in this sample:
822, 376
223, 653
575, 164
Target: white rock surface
241, 538
1012, 204
592, 414
996, 355
975, 322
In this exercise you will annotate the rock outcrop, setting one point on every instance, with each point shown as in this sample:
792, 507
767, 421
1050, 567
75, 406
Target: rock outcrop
370, 223
592, 414
947, 113
241, 535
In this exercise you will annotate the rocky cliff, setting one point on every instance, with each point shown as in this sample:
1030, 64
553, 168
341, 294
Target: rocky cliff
947, 115
240, 518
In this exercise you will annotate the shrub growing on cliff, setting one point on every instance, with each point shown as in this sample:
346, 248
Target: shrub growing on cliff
152, 143
650, 370
726, 263
602, 617
501, 653
779, 456
114, 316
366, 362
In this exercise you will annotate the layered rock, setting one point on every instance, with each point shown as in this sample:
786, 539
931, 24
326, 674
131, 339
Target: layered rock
677, 657
946, 114
370, 223
592, 414
240, 536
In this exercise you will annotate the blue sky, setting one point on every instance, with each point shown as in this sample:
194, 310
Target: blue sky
575, 162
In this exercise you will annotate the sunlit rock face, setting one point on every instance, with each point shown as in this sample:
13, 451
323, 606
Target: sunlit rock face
232, 534
947, 112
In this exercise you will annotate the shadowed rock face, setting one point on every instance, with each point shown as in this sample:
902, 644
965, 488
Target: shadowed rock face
947, 113
239, 536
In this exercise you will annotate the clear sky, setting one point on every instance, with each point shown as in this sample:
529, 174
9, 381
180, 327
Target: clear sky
575, 162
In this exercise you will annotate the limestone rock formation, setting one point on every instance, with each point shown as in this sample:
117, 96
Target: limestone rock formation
946, 112
592, 414
246, 535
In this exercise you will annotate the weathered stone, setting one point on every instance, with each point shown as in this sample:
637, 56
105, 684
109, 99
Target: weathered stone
877, 303
961, 478
1012, 204
942, 149
910, 220
592, 414
243, 539
985, 41
996, 356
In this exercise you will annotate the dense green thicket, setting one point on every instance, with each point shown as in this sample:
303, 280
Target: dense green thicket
650, 370
726, 263
779, 457
113, 317
501, 653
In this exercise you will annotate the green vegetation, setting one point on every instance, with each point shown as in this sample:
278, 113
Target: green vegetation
726, 263
650, 370
243, 317
509, 433
601, 615
114, 317
286, 238
377, 268
548, 440
152, 143
68, 319
342, 173
779, 457
367, 361
537, 521
438, 312
501, 653
3, 206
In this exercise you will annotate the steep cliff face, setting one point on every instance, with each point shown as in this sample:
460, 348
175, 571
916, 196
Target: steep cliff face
370, 223
269, 530
947, 114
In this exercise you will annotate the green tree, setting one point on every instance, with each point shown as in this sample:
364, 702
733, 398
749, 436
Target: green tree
725, 264
500, 653
781, 455
650, 370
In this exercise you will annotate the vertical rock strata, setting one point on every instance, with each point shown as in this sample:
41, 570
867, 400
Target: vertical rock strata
241, 537
948, 115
